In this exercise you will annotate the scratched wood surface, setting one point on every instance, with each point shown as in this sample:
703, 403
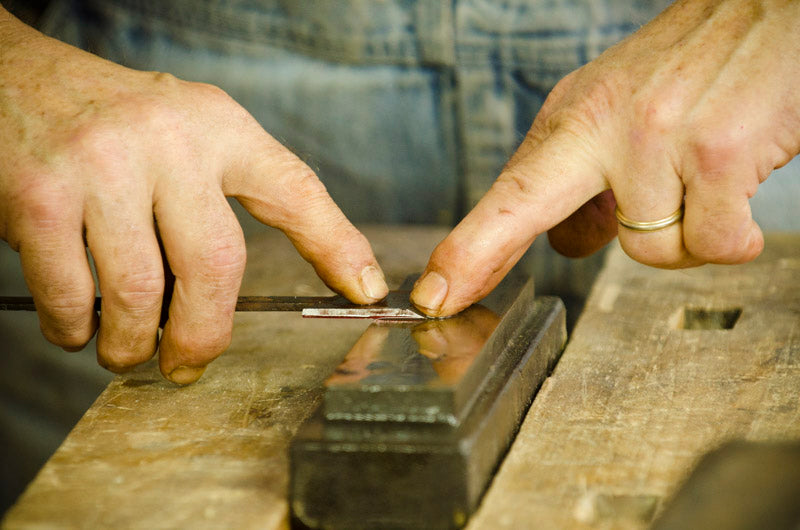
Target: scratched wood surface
149, 454
633, 404
635, 400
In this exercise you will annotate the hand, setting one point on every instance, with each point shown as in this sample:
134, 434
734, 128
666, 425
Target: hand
698, 107
95, 154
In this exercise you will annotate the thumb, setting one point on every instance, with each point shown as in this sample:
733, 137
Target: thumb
280, 190
541, 186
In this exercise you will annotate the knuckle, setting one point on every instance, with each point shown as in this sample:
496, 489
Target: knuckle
73, 341
165, 79
709, 158
473, 267
548, 116
562, 88
134, 116
65, 321
96, 142
120, 359
305, 184
306, 198
513, 182
215, 94
139, 292
718, 248
70, 338
560, 95
43, 204
202, 347
224, 261
353, 243
158, 117
211, 97
102, 149
592, 111
653, 116
713, 153
653, 256
223, 105
67, 304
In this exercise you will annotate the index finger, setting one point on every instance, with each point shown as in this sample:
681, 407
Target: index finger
540, 187
280, 190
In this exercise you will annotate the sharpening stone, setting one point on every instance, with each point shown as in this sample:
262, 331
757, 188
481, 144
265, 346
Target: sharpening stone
417, 418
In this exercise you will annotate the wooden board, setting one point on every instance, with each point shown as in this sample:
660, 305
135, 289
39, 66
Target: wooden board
149, 454
631, 407
634, 402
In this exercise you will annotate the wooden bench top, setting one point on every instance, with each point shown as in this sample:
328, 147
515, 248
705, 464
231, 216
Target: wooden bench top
632, 405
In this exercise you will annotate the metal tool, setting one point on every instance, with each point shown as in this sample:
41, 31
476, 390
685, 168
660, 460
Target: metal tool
396, 306
417, 417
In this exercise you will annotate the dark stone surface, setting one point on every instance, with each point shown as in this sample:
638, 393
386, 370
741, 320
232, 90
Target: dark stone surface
393, 474
428, 371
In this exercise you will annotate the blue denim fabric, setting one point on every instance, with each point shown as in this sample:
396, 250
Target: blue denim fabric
408, 109
356, 89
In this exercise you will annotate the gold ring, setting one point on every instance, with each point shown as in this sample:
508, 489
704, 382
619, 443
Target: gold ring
649, 226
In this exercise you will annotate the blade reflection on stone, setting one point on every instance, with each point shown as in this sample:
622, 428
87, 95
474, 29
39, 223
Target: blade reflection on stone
428, 371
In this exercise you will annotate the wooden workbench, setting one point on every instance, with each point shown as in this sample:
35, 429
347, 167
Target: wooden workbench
633, 403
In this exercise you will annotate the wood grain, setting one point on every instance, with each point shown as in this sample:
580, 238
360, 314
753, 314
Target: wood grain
149, 454
630, 408
634, 402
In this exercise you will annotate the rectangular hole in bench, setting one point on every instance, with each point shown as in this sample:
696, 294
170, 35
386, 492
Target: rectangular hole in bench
694, 318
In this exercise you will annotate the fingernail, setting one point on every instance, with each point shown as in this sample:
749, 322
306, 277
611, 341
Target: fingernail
183, 375
373, 284
430, 292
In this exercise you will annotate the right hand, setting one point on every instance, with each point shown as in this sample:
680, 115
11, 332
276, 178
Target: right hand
692, 111
95, 154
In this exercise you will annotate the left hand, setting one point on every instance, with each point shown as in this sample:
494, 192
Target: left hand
123, 163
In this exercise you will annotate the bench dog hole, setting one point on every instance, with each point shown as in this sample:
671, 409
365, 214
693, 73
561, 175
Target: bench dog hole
697, 318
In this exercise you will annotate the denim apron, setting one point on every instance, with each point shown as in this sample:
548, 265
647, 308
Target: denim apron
407, 109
